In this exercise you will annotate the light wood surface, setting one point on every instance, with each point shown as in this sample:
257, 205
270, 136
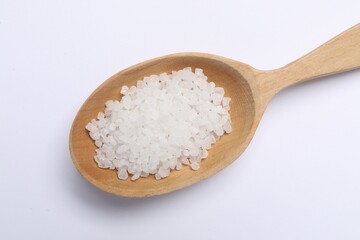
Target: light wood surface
250, 90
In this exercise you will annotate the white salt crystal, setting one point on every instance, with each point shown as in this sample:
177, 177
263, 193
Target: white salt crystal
226, 101
91, 127
186, 153
144, 174
194, 151
95, 135
219, 90
199, 72
212, 139
165, 165
211, 87
178, 165
122, 174
101, 115
219, 131
172, 163
195, 159
206, 143
126, 101
135, 176
185, 161
164, 172
124, 90
109, 105
227, 127
195, 166
216, 98
204, 154
101, 123
98, 143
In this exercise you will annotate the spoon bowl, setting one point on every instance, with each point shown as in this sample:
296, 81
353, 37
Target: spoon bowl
250, 91
226, 150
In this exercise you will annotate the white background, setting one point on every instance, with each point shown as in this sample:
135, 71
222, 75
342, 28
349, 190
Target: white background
299, 178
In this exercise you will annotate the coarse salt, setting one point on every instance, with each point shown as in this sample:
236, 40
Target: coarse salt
164, 122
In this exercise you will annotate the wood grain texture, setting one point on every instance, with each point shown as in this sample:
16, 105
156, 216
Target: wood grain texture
340, 54
249, 89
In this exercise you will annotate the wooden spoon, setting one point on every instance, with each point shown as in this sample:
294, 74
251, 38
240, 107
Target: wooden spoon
250, 90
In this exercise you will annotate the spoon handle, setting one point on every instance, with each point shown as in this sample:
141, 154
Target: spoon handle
340, 54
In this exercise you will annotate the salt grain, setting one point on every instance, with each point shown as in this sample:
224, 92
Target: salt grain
195, 166
226, 101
